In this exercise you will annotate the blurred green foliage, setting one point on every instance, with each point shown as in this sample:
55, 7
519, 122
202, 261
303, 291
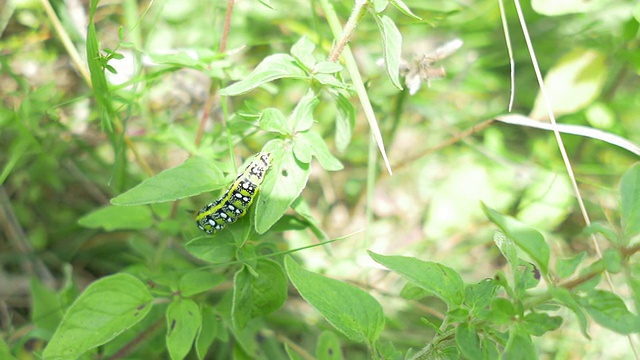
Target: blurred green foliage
154, 103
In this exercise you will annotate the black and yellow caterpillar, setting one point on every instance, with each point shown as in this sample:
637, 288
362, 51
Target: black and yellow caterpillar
237, 199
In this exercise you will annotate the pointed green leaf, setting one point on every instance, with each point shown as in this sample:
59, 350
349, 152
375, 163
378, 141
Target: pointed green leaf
105, 309
273, 67
5, 352
442, 281
118, 218
349, 309
46, 310
527, 239
198, 281
321, 151
379, 5
327, 67
566, 298
212, 249
302, 116
501, 311
345, 121
302, 149
468, 341
258, 294
404, 9
302, 51
183, 324
537, 324
478, 296
329, 80
392, 48
282, 185
507, 248
273, 120
193, 177
608, 310
599, 228
208, 330
519, 347
566, 267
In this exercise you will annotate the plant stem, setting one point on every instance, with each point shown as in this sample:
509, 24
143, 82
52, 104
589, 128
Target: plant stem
349, 28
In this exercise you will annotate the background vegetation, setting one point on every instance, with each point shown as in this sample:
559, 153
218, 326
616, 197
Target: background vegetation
152, 107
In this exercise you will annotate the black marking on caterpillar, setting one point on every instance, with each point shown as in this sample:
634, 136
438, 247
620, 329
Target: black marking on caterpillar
236, 200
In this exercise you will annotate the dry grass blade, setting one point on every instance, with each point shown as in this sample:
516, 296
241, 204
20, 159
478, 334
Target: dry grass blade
579, 130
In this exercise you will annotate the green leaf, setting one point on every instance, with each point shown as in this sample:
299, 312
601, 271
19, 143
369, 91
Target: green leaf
345, 121
527, 239
302, 116
519, 347
599, 228
193, 177
118, 218
330, 80
5, 352
273, 120
411, 291
46, 310
321, 151
566, 267
273, 67
565, 297
468, 341
183, 324
398, 4
212, 249
101, 90
104, 310
608, 310
198, 281
302, 51
379, 5
501, 311
392, 48
258, 294
612, 259
526, 277
539, 323
327, 67
507, 248
208, 330
478, 296
302, 149
302, 208
630, 202
573, 83
349, 309
442, 281
389, 352
329, 347
282, 185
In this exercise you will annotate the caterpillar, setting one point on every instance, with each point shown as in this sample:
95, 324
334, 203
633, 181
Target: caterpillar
234, 203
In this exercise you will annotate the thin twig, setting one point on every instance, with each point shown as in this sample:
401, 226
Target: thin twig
226, 27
